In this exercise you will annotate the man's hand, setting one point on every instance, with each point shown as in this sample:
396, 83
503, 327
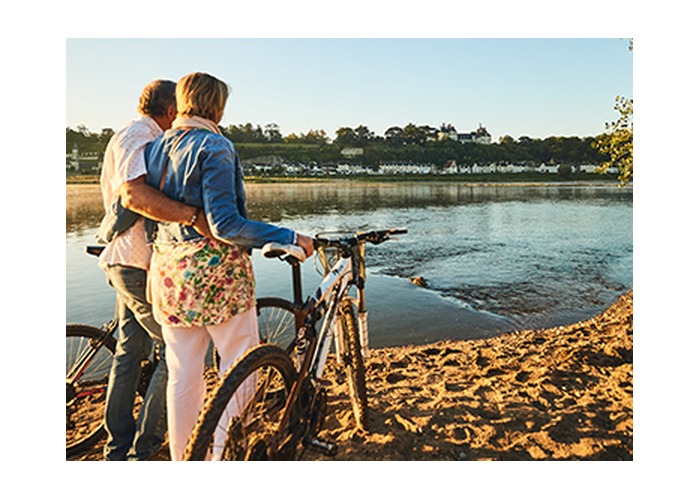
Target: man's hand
201, 225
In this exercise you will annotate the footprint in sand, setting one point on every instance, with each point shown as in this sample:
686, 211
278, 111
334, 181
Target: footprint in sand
392, 378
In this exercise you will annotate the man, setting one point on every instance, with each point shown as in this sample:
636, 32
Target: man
125, 261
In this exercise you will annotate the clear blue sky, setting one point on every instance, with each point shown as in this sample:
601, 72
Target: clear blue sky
514, 86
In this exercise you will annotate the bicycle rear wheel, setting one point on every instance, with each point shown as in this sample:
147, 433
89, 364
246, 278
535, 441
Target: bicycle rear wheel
276, 322
276, 325
247, 407
88, 362
351, 359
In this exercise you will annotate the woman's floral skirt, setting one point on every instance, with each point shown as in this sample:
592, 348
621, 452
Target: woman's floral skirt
200, 283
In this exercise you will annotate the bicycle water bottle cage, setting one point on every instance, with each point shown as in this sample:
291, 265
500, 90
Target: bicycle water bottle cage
280, 251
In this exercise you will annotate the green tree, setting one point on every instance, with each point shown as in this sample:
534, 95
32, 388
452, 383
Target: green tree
106, 135
315, 137
272, 133
564, 171
394, 136
413, 134
363, 135
345, 136
292, 139
616, 144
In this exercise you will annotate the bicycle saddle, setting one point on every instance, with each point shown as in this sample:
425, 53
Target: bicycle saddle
272, 250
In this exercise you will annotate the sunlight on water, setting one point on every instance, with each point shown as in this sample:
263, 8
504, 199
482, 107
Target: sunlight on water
495, 258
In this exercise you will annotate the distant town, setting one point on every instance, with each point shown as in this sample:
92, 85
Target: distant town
407, 151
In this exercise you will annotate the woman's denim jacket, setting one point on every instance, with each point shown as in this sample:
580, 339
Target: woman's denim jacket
204, 171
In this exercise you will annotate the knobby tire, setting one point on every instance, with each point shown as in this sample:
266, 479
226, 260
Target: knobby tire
247, 437
353, 364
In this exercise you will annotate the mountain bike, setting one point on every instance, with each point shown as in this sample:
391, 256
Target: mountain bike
271, 403
89, 353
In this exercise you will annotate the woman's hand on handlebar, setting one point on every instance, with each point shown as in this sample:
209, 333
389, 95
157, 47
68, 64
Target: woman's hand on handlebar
307, 243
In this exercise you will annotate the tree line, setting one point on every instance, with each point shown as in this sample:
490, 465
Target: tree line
411, 143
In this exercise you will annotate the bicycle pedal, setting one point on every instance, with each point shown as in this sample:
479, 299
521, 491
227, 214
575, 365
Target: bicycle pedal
325, 447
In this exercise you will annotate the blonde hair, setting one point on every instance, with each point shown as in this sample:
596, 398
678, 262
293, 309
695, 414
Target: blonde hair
200, 94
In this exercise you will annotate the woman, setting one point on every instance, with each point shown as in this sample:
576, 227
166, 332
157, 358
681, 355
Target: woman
203, 288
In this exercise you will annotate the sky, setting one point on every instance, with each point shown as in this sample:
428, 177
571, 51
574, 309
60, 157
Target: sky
535, 87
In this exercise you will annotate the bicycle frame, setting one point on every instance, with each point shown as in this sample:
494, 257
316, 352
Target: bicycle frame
288, 401
323, 304
328, 296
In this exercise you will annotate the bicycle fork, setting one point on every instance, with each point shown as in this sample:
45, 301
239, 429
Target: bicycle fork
359, 273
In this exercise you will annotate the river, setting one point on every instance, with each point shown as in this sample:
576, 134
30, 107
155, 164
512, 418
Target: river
495, 258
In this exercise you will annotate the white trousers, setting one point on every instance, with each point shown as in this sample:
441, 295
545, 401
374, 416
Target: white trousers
185, 351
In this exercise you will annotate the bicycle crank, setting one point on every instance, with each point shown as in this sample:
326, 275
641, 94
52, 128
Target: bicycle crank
317, 415
317, 412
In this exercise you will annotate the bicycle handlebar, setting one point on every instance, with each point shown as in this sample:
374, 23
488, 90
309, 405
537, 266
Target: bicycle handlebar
283, 252
379, 236
375, 237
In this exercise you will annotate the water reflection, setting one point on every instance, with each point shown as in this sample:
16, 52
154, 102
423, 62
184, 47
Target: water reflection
275, 202
495, 257
83, 206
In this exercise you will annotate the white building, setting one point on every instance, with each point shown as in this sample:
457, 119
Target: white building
349, 152
403, 168
72, 161
479, 136
590, 169
450, 167
511, 169
548, 169
349, 169
483, 169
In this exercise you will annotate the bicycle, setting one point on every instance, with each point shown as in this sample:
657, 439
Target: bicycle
270, 404
89, 352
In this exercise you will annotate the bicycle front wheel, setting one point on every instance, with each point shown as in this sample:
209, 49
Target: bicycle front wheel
276, 322
89, 353
351, 359
243, 415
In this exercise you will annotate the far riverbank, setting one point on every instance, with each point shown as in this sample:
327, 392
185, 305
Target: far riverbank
525, 179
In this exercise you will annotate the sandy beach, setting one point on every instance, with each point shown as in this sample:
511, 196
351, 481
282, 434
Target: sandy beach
557, 394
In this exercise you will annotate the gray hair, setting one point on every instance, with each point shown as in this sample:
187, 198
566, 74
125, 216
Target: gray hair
157, 97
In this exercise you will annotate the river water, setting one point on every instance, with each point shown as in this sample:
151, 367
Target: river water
495, 258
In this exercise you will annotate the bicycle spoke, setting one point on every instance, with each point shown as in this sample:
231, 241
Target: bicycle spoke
252, 416
276, 322
88, 363
79, 348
